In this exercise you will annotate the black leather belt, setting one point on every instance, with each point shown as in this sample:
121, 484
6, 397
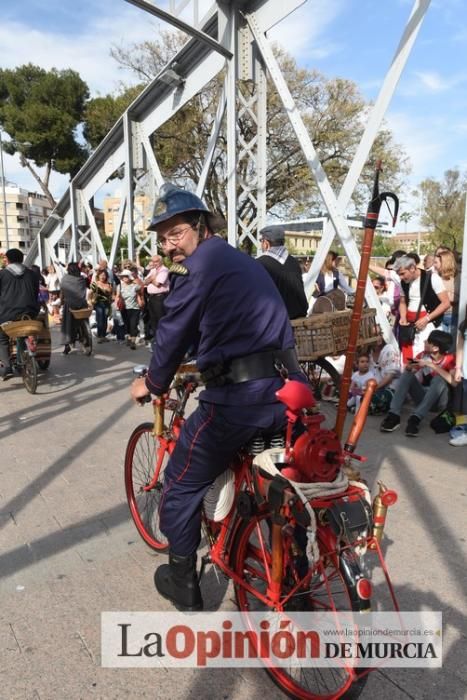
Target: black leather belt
259, 365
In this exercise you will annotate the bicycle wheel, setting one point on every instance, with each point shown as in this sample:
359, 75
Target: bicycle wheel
316, 371
142, 452
28, 366
252, 561
86, 336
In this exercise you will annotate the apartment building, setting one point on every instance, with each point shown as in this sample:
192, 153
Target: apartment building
419, 241
26, 213
142, 209
303, 236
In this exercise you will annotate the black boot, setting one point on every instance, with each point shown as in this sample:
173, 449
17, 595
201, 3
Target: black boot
178, 582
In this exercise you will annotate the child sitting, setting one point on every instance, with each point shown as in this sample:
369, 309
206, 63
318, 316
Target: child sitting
426, 379
359, 381
385, 362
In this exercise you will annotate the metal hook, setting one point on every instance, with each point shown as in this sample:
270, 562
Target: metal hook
282, 369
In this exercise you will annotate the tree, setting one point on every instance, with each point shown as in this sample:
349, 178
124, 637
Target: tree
381, 246
101, 113
405, 217
332, 109
444, 208
41, 111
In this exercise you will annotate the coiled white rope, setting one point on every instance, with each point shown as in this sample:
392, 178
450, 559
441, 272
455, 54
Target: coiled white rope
220, 496
305, 491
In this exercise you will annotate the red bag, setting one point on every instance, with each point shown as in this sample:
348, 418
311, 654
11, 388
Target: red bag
120, 302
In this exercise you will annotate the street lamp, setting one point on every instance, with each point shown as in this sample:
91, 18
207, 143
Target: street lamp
5, 215
420, 213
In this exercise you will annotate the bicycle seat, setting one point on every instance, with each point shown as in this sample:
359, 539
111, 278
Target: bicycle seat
296, 396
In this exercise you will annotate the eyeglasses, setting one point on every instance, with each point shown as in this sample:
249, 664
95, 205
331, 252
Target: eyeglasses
174, 238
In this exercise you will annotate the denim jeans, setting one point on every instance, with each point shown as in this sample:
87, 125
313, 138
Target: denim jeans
102, 311
449, 325
425, 398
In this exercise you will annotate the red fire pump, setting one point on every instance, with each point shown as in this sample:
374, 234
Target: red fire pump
317, 454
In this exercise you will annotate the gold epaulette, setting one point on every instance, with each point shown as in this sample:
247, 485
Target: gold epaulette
177, 269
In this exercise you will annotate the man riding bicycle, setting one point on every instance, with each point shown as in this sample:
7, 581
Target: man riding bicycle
228, 307
19, 291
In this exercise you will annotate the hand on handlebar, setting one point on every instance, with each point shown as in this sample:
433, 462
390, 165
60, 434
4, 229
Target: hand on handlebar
139, 391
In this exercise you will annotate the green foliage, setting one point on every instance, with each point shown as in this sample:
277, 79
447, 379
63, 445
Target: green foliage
381, 246
107, 244
41, 111
444, 208
101, 113
405, 218
122, 250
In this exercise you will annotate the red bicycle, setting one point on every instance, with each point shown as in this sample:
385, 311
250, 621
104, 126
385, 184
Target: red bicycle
287, 545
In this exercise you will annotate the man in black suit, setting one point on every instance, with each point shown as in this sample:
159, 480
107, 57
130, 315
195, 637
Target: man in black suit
284, 269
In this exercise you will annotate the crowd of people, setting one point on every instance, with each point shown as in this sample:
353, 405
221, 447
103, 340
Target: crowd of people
421, 301
419, 298
127, 300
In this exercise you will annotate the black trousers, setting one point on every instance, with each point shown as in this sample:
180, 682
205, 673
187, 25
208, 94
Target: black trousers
131, 318
156, 309
4, 349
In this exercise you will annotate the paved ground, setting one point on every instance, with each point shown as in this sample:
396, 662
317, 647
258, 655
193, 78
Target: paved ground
68, 549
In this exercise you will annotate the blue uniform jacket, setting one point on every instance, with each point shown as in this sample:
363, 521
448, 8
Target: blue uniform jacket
229, 307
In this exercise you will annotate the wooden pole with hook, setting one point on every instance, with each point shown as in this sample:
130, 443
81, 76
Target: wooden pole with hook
371, 221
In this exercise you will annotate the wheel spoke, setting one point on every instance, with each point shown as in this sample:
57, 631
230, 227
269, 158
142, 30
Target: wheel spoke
140, 463
252, 561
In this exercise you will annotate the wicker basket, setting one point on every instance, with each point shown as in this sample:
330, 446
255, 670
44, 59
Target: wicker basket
341, 329
80, 314
313, 336
21, 329
328, 333
368, 328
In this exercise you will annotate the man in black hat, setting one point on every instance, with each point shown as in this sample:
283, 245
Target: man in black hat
284, 269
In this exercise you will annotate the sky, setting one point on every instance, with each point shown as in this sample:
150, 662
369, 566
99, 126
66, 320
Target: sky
353, 39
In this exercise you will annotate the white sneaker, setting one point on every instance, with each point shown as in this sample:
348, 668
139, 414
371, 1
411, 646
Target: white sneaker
459, 440
457, 430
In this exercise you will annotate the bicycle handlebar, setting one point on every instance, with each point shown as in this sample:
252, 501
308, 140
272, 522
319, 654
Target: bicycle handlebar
185, 381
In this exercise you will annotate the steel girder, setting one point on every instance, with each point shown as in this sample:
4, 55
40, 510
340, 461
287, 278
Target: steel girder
223, 41
127, 148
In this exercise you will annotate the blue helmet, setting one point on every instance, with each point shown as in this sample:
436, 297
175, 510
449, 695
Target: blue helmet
172, 201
